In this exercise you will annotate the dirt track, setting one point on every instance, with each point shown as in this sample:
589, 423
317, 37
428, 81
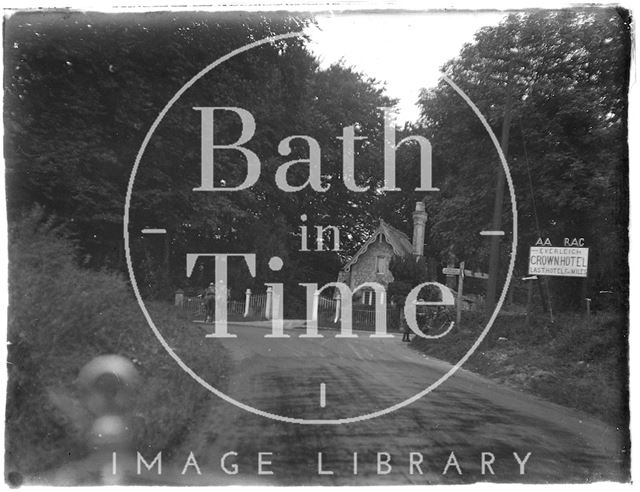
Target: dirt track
467, 415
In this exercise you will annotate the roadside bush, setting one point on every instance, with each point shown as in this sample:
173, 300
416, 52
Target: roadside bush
60, 317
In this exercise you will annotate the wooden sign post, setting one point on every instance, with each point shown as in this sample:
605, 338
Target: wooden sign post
529, 281
461, 273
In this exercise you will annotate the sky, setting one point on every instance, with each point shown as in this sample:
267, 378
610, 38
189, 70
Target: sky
405, 50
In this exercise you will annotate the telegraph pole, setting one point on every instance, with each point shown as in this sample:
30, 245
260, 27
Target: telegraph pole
496, 224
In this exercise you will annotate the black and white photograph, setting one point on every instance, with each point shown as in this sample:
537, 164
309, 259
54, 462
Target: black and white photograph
317, 244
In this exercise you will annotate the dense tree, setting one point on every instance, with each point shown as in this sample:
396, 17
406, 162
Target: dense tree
567, 72
408, 272
83, 90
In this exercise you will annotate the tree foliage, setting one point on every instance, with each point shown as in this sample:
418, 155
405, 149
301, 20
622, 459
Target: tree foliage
408, 272
567, 72
83, 89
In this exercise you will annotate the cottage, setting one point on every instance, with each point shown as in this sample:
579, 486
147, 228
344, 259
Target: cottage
371, 262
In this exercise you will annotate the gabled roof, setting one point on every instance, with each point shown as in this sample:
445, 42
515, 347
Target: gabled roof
398, 240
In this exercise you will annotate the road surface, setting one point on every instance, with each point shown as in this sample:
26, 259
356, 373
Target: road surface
455, 424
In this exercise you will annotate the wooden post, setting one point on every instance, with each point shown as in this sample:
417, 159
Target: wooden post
546, 284
338, 307
460, 291
316, 298
529, 301
529, 280
247, 302
267, 308
588, 301
451, 279
179, 298
510, 294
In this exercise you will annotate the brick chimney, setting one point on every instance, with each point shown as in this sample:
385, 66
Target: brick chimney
419, 221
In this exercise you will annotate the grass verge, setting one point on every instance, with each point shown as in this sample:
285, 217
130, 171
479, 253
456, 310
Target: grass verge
577, 362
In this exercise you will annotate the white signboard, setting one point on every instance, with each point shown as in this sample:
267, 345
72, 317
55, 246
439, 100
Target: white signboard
558, 261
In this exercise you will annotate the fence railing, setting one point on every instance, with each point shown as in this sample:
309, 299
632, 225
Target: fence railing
260, 307
252, 307
257, 306
361, 319
192, 307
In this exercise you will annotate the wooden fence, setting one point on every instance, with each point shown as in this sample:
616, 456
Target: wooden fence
260, 306
361, 318
193, 307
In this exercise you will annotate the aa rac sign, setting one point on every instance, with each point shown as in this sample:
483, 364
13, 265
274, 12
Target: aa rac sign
561, 262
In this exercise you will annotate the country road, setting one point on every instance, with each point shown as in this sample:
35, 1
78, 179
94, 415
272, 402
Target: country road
467, 416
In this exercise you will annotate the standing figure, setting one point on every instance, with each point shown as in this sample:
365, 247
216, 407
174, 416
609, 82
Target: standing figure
209, 302
406, 336
404, 326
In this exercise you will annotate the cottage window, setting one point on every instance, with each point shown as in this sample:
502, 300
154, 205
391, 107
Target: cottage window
367, 297
380, 264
